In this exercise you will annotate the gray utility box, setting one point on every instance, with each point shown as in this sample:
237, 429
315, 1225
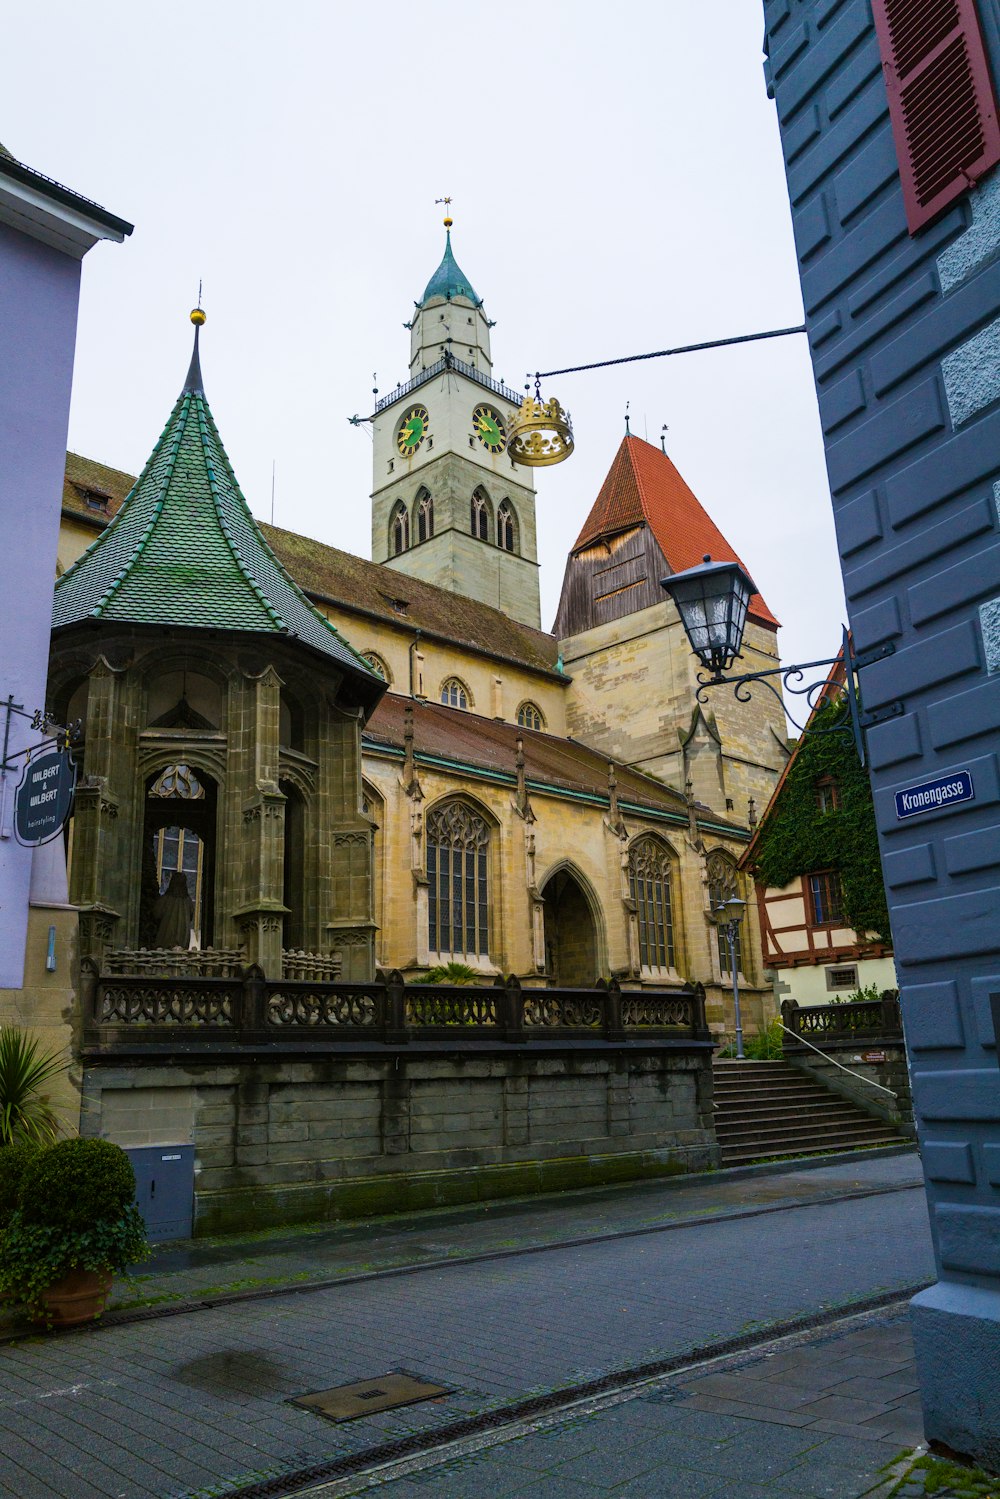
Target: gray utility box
164, 1189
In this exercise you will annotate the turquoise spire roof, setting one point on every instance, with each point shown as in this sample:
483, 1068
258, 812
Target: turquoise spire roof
448, 280
185, 551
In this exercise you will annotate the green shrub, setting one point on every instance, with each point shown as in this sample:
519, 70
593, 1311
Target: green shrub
449, 973
764, 1047
76, 1211
77, 1183
869, 995
13, 1163
33, 1256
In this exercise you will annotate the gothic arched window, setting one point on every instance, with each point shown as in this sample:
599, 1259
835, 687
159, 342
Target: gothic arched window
529, 717
399, 529
723, 884
455, 693
458, 846
425, 515
506, 527
649, 880
480, 526
377, 664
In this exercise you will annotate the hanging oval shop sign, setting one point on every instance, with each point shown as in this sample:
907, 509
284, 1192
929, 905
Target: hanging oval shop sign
44, 798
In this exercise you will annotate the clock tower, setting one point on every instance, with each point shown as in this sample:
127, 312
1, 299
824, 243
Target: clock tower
448, 504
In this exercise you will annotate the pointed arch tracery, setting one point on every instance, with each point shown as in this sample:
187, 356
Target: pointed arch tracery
458, 881
724, 882
423, 512
507, 528
454, 693
399, 529
650, 863
481, 516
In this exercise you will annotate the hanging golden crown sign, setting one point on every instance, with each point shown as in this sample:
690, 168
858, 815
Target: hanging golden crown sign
541, 433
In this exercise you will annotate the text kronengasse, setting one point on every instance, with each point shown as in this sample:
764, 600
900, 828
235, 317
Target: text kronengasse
928, 796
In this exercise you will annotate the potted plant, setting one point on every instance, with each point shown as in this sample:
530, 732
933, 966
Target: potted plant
74, 1226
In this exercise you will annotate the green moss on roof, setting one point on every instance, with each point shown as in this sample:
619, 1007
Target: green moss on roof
184, 550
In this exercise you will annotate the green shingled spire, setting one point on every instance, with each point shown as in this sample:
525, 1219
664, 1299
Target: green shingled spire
185, 551
448, 280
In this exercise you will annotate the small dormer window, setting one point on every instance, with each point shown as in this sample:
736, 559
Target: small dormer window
95, 499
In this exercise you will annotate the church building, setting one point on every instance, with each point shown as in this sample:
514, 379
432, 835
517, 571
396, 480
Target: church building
390, 764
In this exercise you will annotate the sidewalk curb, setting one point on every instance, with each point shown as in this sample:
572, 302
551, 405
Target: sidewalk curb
806, 1162
125, 1316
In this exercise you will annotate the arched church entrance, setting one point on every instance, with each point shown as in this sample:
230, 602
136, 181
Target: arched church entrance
570, 932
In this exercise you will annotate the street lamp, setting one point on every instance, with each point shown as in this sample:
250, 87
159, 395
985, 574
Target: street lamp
728, 915
712, 600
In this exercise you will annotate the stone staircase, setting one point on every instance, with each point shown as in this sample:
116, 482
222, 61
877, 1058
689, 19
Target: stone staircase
767, 1110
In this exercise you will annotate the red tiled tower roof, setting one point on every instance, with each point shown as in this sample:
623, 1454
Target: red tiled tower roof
644, 487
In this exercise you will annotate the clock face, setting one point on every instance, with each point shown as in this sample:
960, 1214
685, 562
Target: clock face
413, 431
489, 428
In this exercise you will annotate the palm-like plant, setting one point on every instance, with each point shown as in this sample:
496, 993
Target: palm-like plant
26, 1115
449, 973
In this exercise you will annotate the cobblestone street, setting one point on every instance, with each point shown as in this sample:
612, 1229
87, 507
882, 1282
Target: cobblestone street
196, 1402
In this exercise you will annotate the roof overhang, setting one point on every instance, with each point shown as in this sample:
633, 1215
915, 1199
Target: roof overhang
364, 688
46, 211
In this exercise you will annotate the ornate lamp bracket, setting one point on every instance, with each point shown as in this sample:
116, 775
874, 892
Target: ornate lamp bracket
851, 720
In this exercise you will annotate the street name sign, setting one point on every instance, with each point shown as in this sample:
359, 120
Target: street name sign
44, 798
931, 796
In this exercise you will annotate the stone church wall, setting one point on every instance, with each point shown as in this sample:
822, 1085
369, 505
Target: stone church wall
633, 696
289, 1140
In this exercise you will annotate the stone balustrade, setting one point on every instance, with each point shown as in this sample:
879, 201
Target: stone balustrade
122, 1010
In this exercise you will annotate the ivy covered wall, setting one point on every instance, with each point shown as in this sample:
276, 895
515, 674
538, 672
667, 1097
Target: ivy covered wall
798, 836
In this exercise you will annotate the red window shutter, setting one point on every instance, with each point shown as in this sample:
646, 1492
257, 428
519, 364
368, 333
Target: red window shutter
941, 100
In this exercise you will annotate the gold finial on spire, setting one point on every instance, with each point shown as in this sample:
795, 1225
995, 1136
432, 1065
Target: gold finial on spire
448, 220
197, 316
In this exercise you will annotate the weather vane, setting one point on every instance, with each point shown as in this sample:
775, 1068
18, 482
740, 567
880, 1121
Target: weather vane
447, 211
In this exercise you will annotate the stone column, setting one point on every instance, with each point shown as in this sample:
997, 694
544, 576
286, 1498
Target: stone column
95, 815
260, 855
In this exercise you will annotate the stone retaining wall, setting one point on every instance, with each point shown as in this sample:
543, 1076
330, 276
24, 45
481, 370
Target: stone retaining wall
296, 1139
892, 1073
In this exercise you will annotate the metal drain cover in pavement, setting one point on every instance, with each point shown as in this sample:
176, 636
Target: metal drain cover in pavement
347, 1402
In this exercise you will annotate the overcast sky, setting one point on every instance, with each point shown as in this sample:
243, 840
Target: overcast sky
617, 186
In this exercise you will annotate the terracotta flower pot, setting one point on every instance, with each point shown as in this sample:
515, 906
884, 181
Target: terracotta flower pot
80, 1296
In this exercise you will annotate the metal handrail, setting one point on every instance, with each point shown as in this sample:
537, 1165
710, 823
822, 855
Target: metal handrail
849, 1070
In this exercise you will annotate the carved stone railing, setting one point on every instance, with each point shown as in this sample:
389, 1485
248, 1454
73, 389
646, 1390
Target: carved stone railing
177, 962
207, 1004
310, 967
122, 1011
849, 1022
